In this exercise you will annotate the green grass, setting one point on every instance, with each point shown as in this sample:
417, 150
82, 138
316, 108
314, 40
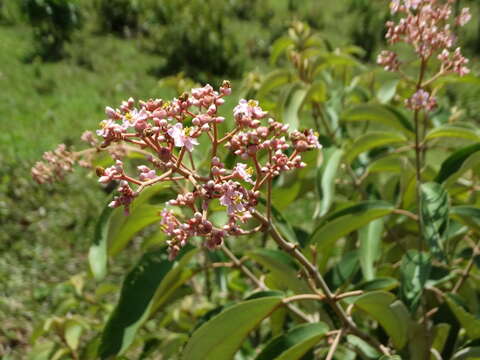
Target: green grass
44, 104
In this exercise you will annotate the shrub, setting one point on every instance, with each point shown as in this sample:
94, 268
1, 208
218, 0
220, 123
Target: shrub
121, 17
196, 40
54, 22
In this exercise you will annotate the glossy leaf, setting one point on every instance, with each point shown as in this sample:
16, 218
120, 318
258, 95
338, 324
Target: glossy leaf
284, 196
414, 271
387, 91
344, 271
378, 113
282, 224
434, 213
97, 254
471, 353
282, 268
370, 237
325, 178
388, 164
451, 131
380, 283
367, 350
295, 343
73, 331
140, 217
467, 215
279, 46
220, 337
317, 92
378, 305
454, 163
133, 307
372, 140
273, 81
175, 278
345, 221
440, 336
292, 105
468, 321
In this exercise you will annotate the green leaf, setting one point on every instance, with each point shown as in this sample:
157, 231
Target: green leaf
393, 164
344, 271
440, 336
378, 113
381, 283
220, 337
139, 218
471, 353
273, 81
97, 254
284, 196
345, 221
325, 178
292, 105
73, 331
175, 278
366, 349
295, 343
387, 91
138, 290
452, 131
317, 92
370, 141
467, 215
468, 321
454, 163
414, 271
434, 212
282, 268
378, 304
278, 47
282, 224
370, 238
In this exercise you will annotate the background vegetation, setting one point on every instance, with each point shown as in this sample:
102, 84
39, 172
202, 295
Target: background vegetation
62, 61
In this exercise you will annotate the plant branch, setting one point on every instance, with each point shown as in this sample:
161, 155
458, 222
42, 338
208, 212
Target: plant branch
312, 272
238, 263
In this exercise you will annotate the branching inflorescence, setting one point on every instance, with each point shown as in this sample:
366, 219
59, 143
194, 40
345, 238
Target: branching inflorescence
427, 26
167, 133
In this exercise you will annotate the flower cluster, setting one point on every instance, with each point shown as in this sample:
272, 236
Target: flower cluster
166, 133
57, 163
426, 25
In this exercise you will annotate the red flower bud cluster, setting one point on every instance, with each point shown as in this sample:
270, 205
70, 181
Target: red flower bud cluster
167, 134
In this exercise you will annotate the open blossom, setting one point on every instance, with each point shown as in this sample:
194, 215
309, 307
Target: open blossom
247, 113
232, 198
181, 137
243, 172
421, 100
136, 118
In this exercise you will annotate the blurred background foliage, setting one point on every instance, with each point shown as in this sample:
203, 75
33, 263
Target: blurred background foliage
62, 61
